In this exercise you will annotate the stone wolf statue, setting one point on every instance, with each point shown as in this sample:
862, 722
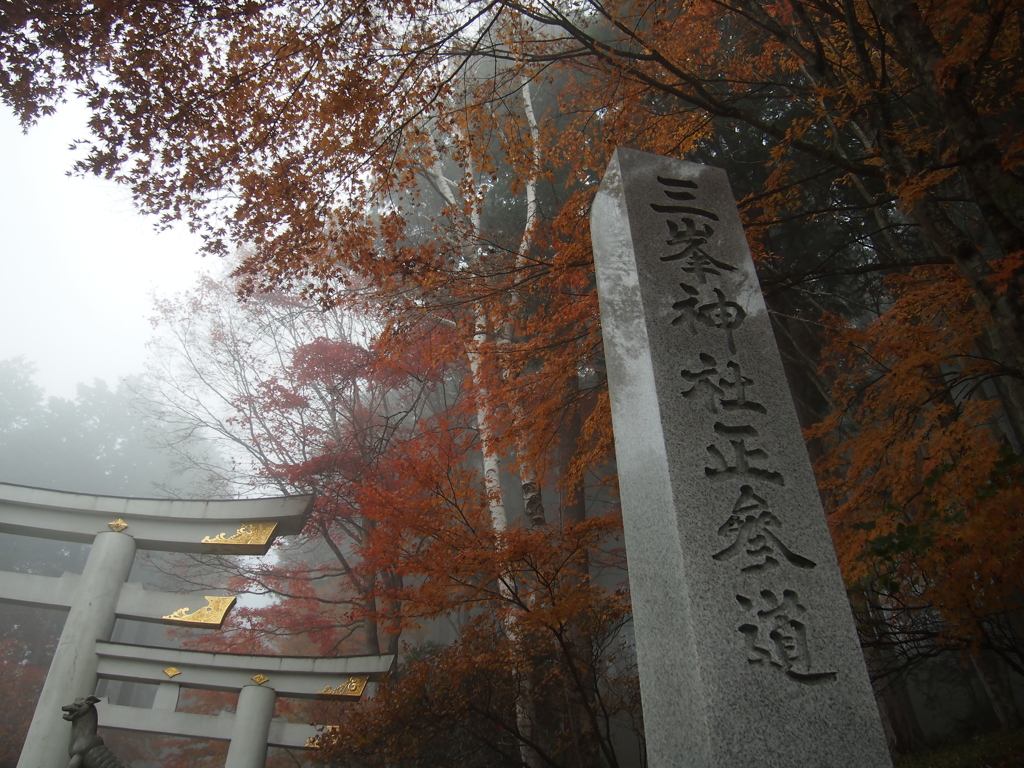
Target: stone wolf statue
87, 749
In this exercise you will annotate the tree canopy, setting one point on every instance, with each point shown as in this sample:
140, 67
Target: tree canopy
429, 166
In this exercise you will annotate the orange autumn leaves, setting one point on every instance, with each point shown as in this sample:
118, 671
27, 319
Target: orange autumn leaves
926, 497
378, 155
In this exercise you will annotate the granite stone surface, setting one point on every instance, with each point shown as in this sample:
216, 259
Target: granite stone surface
745, 639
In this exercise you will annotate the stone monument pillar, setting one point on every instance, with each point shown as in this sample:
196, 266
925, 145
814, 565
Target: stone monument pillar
745, 639
73, 669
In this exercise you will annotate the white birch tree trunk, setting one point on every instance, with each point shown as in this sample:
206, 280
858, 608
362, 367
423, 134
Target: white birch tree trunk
482, 331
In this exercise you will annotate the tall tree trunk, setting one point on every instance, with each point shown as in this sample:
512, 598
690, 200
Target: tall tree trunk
899, 719
995, 679
582, 697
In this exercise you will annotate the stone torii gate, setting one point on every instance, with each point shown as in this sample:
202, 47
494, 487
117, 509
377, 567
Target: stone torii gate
253, 727
116, 527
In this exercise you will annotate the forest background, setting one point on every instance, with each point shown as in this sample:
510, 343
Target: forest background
406, 185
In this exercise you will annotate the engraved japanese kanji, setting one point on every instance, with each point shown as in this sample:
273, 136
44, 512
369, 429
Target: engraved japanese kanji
725, 391
777, 634
738, 460
719, 313
754, 544
775, 628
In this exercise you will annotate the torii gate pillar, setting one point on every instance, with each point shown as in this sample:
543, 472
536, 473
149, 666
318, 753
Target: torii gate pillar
73, 669
252, 727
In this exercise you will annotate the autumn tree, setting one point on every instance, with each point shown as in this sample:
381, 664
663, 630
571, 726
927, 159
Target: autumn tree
924, 485
476, 238
358, 148
908, 104
422, 512
461, 696
20, 683
887, 127
900, 103
890, 129
302, 404
885, 121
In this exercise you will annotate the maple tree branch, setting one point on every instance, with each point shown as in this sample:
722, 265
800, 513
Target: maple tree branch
787, 280
698, 96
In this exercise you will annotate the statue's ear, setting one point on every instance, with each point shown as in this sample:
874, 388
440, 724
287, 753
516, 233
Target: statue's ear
92, 699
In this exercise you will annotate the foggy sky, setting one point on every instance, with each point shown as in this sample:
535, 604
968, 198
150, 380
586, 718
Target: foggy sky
78, 264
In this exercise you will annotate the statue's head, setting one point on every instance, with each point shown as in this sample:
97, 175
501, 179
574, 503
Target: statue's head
79, 708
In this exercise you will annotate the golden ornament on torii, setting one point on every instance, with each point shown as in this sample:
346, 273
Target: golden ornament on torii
354, 686
247, 536
212, 613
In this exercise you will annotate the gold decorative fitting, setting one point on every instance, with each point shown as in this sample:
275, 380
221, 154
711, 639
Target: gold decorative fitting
354, 686
172, 671
213, 613
311, 741
247, 533
259, 679
117, 525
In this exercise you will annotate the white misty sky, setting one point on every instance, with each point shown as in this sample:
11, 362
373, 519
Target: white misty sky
78, 264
